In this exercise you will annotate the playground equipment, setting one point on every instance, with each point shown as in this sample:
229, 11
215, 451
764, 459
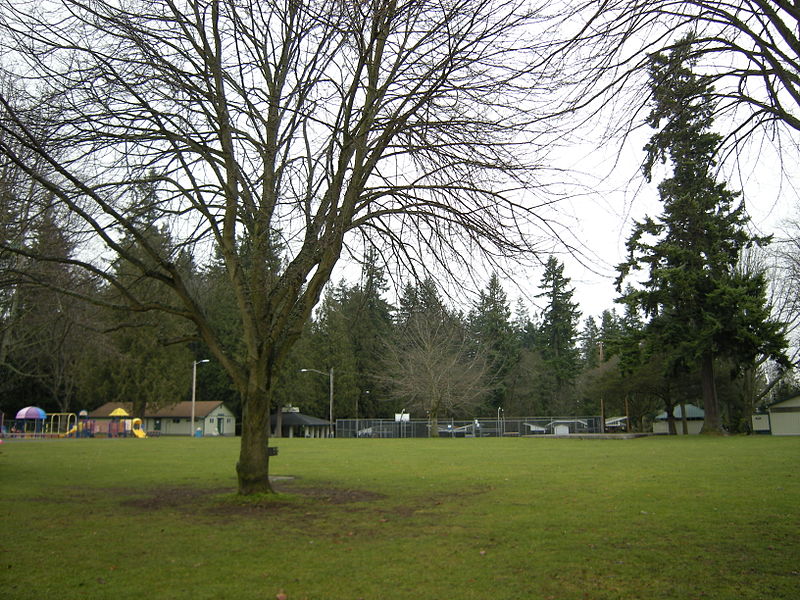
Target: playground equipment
34, 422
136, 428
84, 428
29, 422
61, 424
117, 426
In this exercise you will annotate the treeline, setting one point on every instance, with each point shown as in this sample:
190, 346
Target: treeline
417, 353
151, 223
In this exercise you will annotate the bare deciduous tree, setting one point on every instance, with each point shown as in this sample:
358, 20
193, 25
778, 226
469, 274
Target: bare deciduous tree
408, 121
750, 50
432, 368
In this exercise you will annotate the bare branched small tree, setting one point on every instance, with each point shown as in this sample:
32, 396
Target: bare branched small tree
411, 122
433, 368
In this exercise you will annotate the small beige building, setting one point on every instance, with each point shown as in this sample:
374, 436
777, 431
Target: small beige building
784, 417
211, 417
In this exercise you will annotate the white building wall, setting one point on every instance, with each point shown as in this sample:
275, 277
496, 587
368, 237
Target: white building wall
785, 423
663, 427
175, 426
785, 417
221, 421
760, 423
209, 425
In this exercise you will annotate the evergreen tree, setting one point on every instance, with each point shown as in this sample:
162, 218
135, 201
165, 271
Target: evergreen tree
557, 335
698, 305
523, 379
521, 323
149, 347
335, 349
492, 333
590, 348
424, 298
609, 326
52, 330
370, 318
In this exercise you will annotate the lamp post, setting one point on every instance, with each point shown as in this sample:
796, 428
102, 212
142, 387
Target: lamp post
194, 390
501, 425
366, 393
330, 383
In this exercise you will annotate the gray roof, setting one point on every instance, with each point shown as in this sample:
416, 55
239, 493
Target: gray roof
692, 413
293, 419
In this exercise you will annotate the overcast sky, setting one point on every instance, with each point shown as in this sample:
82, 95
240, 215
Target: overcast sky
603, 220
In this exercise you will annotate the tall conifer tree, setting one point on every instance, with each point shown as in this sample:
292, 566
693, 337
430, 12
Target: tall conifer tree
492, 332
699, 307
558, 334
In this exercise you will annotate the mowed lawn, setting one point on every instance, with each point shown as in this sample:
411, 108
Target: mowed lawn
423, 519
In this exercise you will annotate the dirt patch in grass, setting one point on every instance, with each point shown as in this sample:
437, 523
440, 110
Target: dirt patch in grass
172, 497
329, 494
224, 501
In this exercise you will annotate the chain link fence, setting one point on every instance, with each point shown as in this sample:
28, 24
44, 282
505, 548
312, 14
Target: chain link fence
487, 427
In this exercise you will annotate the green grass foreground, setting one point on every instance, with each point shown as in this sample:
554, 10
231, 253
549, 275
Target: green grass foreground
424, 519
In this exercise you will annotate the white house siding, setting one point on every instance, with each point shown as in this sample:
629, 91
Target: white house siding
761, 423
784, 417
182, 425
221, 421
693, 425
169, 425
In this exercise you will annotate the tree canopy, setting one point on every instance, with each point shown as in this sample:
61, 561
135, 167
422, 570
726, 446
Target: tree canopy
699, 306
411, 121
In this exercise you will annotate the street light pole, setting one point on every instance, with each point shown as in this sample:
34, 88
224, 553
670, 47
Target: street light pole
194, 390
501, 425
330, 383
366, 393
333, 423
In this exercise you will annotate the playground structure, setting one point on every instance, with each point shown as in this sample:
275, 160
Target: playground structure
68, 425
136, 428
28, 422
32, 422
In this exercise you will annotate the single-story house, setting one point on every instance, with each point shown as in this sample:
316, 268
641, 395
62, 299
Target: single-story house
784, 417
211, 417
295, 424
695, 417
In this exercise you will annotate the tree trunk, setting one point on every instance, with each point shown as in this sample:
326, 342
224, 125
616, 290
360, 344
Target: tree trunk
671, 419
684, 420
627, 415
433, 425
713, 422
253, 466
602, 415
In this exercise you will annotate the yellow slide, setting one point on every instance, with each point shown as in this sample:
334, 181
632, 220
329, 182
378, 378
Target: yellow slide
136, 428
72, 431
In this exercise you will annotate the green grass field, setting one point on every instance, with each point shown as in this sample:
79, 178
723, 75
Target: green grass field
425, 519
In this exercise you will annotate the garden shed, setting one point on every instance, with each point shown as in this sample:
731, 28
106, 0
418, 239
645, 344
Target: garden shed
784, 417
695, 417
